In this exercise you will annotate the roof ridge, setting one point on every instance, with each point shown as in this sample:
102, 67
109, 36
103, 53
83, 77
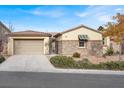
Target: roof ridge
79, 27
76, 27
29, 31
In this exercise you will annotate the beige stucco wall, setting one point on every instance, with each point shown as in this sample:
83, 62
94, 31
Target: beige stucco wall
11, 43
73, 35
107, 41
106, 44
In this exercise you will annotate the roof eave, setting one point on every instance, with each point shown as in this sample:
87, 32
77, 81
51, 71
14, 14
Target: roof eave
29, 35
59, 34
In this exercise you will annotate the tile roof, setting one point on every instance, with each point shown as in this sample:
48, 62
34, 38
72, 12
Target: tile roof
30, 33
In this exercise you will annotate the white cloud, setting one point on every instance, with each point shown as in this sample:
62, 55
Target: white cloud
104, 18
119, 9
83, 14
42, 12
92, 11
101, 14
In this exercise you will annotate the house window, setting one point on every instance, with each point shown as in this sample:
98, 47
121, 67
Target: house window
81, 43
82, 40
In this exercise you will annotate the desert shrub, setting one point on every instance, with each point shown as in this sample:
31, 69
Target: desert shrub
76, 55
84, 63
117, 52
2, 59
121, 65
63, 61
109, 65
69, 62
109, 51
85, 60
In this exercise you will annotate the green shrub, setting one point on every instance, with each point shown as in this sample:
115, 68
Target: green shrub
121, 65
2, 59
76, 55
85, 63
69, 62
86, 60
109, 65
63, 61
117, 52
109, 51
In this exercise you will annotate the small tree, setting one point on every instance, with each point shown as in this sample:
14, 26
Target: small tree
11, 27
101, 28
116, 30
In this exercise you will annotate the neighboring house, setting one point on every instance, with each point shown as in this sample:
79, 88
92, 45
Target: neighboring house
109, 42
81, 39
4, 33
29, 43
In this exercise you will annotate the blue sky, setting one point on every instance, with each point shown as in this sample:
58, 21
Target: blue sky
57, 18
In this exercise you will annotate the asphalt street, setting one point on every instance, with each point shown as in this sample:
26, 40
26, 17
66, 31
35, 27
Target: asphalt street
59, 80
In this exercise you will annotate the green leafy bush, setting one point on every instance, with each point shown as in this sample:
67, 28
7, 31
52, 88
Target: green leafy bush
2, 59
76, 55
117, 52
121, 65
86, 60
109, 65
69, 62
109, 51
84, 63
63, 61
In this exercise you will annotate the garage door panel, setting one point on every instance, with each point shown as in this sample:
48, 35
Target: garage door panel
29, 47
28, 42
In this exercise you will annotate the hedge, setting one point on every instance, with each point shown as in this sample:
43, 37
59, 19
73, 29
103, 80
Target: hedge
2, 59
69, 62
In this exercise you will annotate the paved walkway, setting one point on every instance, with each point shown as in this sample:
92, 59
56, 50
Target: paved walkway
40, 63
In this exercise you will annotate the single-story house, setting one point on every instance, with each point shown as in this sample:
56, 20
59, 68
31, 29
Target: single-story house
81, 39
4, 33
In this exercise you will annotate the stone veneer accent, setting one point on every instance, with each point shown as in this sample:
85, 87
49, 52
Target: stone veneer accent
68, 47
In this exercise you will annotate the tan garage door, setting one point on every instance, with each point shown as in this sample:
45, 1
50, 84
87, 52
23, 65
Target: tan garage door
28, 47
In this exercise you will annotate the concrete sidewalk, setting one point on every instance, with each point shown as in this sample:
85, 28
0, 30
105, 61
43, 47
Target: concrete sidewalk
89, 71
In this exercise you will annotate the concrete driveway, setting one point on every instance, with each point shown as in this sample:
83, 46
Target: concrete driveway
33, 63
